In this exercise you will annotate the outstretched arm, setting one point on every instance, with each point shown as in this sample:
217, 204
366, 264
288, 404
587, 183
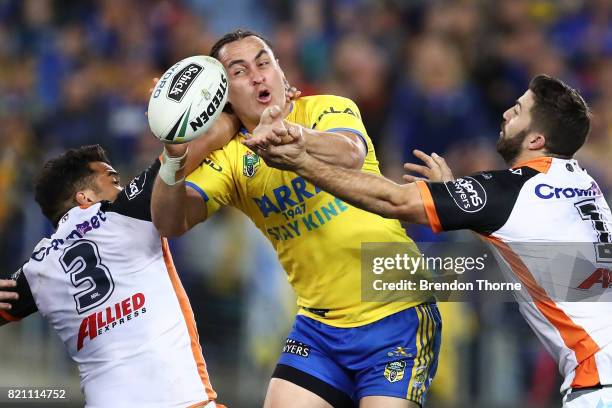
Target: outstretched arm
174, 208
368, 191
222, 131
341, 148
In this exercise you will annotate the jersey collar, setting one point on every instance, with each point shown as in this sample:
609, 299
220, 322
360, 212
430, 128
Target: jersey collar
541, 164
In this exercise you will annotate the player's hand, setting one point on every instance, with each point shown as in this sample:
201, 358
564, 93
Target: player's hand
155, 81
435, 168
291, 92
6, 294
271, 130
176, 150
287, 156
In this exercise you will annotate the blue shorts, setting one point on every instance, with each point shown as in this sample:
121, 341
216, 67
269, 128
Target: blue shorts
396, 356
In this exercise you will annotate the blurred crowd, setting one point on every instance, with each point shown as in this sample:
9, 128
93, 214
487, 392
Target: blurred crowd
427, 74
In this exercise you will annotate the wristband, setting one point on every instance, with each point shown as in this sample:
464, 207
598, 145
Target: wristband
170, 166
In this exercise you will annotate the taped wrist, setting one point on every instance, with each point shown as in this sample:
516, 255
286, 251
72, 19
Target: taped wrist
170, 166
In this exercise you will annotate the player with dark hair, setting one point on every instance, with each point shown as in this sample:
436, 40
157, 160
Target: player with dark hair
234, 36
99, 261
116, 302
545, 197
341, 351
556, 111
74, 171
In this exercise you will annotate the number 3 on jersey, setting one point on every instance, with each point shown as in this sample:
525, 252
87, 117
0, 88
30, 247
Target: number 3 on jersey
82, 261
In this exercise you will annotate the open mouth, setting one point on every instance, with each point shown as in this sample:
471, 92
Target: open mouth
264, 96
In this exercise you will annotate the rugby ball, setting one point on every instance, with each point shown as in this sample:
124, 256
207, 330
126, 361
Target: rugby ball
187, 99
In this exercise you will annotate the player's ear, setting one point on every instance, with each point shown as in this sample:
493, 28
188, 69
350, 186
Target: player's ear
537, 142
84, 197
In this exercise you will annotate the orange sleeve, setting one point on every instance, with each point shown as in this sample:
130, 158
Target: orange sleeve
430, 208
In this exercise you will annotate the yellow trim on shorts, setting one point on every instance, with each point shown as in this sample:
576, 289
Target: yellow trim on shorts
424, 352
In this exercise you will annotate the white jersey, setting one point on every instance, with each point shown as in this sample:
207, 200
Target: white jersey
550, 225
106, 282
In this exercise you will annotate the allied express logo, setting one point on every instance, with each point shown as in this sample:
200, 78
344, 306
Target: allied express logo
182, 81
105, 320
250, 164
600, 276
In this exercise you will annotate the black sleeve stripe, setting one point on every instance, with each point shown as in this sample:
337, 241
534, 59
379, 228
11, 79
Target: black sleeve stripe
135, 199
482, 202
25, 305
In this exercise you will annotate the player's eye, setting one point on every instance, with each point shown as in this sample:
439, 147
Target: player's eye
238, 72
115, 177
263, 63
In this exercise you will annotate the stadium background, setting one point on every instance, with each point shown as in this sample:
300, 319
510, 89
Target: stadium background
434, 75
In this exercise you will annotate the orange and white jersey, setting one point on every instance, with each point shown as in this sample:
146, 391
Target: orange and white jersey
550, 227
106, 282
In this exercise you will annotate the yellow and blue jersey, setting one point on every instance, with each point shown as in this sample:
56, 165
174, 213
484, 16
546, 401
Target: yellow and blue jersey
317, 236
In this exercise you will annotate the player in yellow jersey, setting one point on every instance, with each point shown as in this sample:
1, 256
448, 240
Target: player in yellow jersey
341, 352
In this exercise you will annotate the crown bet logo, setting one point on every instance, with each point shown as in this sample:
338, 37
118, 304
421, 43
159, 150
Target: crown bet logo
182, 81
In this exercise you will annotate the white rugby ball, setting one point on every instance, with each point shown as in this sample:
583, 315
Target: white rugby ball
187, 99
